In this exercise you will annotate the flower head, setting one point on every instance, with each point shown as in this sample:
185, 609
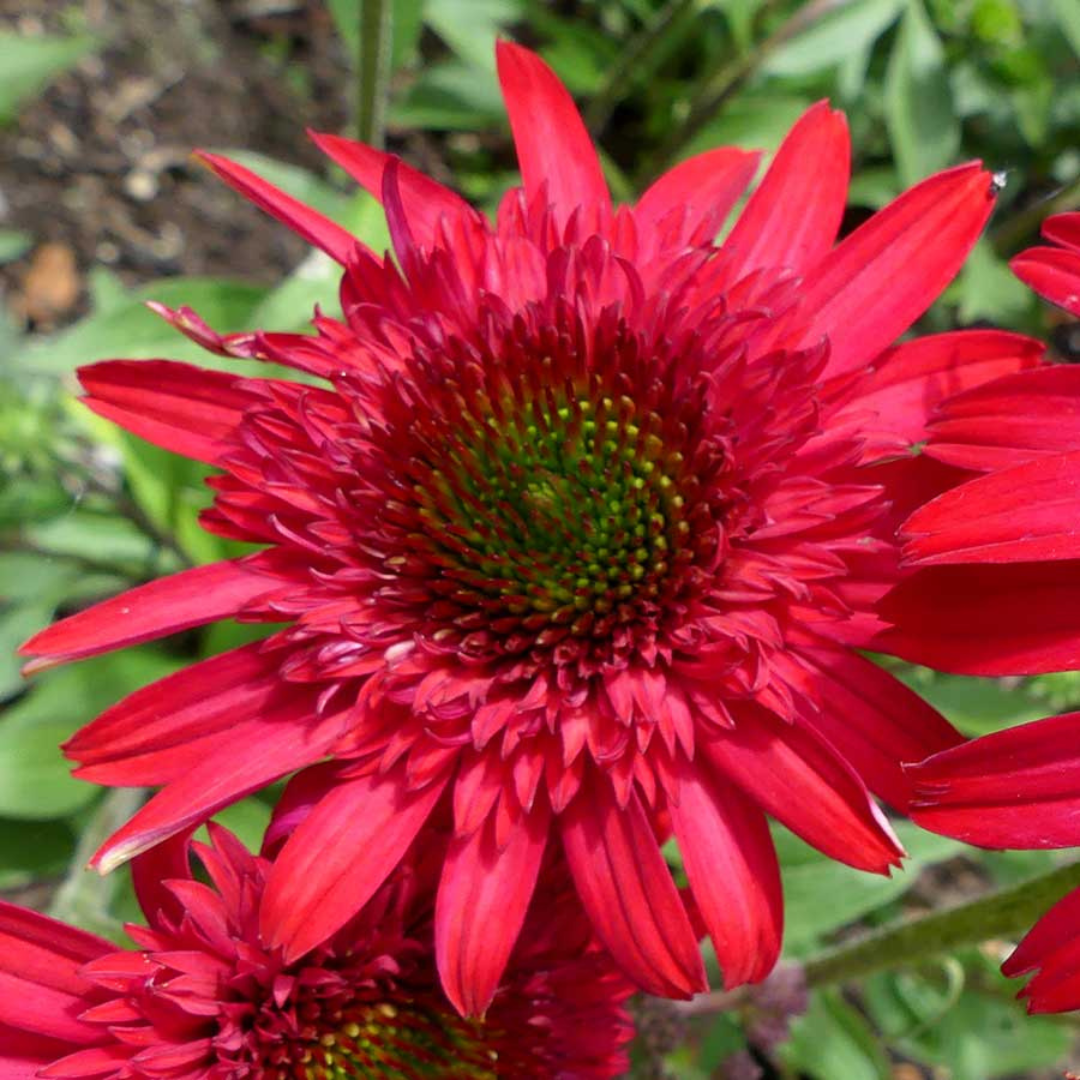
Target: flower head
573, 525
202, 998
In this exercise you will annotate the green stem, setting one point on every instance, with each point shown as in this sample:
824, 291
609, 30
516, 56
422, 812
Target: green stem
629, 66
718, 90
376, 38
1006, 913
84, 897
1013, 232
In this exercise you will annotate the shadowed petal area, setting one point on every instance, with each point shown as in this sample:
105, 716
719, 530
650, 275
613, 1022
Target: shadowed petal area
553, 147
627, 890
1008, 619
910, 381
1025, 514
1010, 421
733, 871
314, 227
1018, 788
697, 194
426, 201
792, 218
876, 719
484, 894
799, 779
190, 598
179, 407
258, 752
340, 855
863, 294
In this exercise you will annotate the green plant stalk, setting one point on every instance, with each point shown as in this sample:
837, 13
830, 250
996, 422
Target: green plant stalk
1005, 913
624, 72
373, 70
721, 87
85, 898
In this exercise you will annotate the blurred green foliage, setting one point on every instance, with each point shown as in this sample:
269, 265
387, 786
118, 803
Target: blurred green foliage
86, 511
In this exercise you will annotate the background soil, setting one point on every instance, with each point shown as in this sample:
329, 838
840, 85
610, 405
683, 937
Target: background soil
98, 169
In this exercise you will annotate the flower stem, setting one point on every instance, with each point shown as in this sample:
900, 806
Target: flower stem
628, 67
376, 38
85, 898
1005, 913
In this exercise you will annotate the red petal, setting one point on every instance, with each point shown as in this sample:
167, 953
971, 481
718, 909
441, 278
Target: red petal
701, 191
1018, 788
179, 407
793, 216
193, 597
1063, 229
156, 734
878, 721
484, 894
311, 225
1011, 420
553, 147
426, 201
1029, 513
153, 870
1053, 273
1060, 924
801, 781
731, 863
338, 857
258, 753
880, 279
628, 893
911, 380
1009, 619
41, 990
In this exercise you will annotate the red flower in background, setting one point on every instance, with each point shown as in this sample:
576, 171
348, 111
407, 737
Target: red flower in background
201, 998
1001, 557
577, 530
1054, 272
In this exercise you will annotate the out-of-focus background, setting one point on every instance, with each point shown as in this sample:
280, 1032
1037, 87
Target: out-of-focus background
102, 208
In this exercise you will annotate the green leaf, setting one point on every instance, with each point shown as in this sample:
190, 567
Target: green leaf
830, 40
30, 63
1068, 17
35, 779
822, 894
976, 706
129, 329
13, 244
31, 851
987, 289
919, 112
832, 1041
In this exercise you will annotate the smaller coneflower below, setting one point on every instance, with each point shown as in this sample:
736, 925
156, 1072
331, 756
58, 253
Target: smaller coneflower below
200, 997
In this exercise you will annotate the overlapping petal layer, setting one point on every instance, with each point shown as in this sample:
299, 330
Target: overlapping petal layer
202, 997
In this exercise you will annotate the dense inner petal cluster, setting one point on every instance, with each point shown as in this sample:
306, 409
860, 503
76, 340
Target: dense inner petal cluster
545, 497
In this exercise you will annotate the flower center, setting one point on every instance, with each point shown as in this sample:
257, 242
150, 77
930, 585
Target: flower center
409, 1042
546, 503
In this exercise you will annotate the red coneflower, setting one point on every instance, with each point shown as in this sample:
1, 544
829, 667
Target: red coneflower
202, 998
997, 587
578, 531
1009, 543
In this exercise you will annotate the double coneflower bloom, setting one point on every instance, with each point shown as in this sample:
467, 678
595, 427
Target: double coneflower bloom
571, 528
202, 997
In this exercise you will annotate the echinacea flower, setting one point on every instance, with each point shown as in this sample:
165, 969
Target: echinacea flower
574, 525
997, 584
200, 997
